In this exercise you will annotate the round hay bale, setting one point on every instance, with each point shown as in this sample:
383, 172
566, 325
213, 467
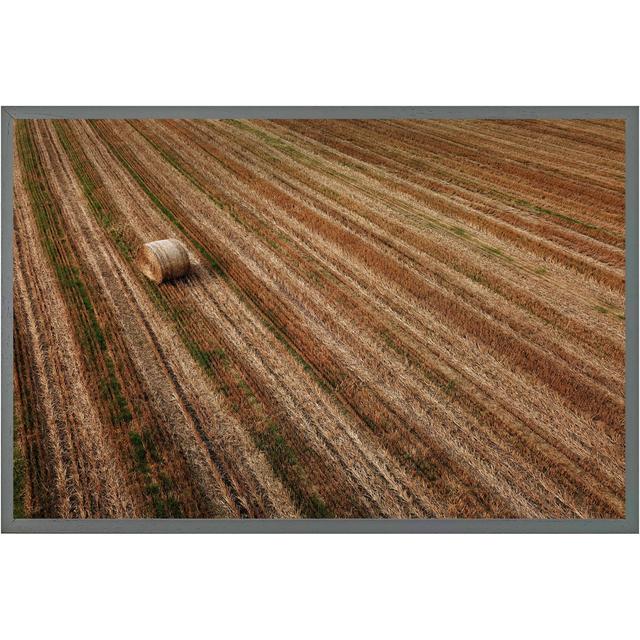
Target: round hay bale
163, 260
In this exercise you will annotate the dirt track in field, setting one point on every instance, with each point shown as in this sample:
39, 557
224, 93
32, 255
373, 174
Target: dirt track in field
384, 319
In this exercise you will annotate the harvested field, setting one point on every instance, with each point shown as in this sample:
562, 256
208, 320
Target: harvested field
381, 319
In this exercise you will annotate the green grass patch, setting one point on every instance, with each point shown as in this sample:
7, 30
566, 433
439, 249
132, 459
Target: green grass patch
163, 504
139, 452
608, 310
492, 250
285, 463
479, 279
318, 508
19, 470
373, 427
272, 141
150, 446
275, 446
450, 387
201, 356
388, 340
562, 216
425, 468
166, 482
220, 354
246, 389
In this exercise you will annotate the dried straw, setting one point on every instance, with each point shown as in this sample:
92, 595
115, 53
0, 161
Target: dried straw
163, 260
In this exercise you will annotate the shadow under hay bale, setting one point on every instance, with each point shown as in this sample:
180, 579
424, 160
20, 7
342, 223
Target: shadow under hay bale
163, 260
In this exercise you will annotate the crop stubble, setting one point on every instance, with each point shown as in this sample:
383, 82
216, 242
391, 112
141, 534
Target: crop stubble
384, 319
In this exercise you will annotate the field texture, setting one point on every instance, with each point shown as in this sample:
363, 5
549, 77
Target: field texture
385, 319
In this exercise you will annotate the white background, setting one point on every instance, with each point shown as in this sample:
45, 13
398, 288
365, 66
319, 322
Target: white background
323, 53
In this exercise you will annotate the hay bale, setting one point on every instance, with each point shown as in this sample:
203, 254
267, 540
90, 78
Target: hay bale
163, 260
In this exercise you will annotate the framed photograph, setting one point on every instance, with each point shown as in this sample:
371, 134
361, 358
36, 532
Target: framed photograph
347, 319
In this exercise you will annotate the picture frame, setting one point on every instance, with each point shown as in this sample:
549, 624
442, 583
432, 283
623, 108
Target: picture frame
627, 525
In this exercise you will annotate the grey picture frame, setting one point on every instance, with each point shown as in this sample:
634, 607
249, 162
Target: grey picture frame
627, 525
